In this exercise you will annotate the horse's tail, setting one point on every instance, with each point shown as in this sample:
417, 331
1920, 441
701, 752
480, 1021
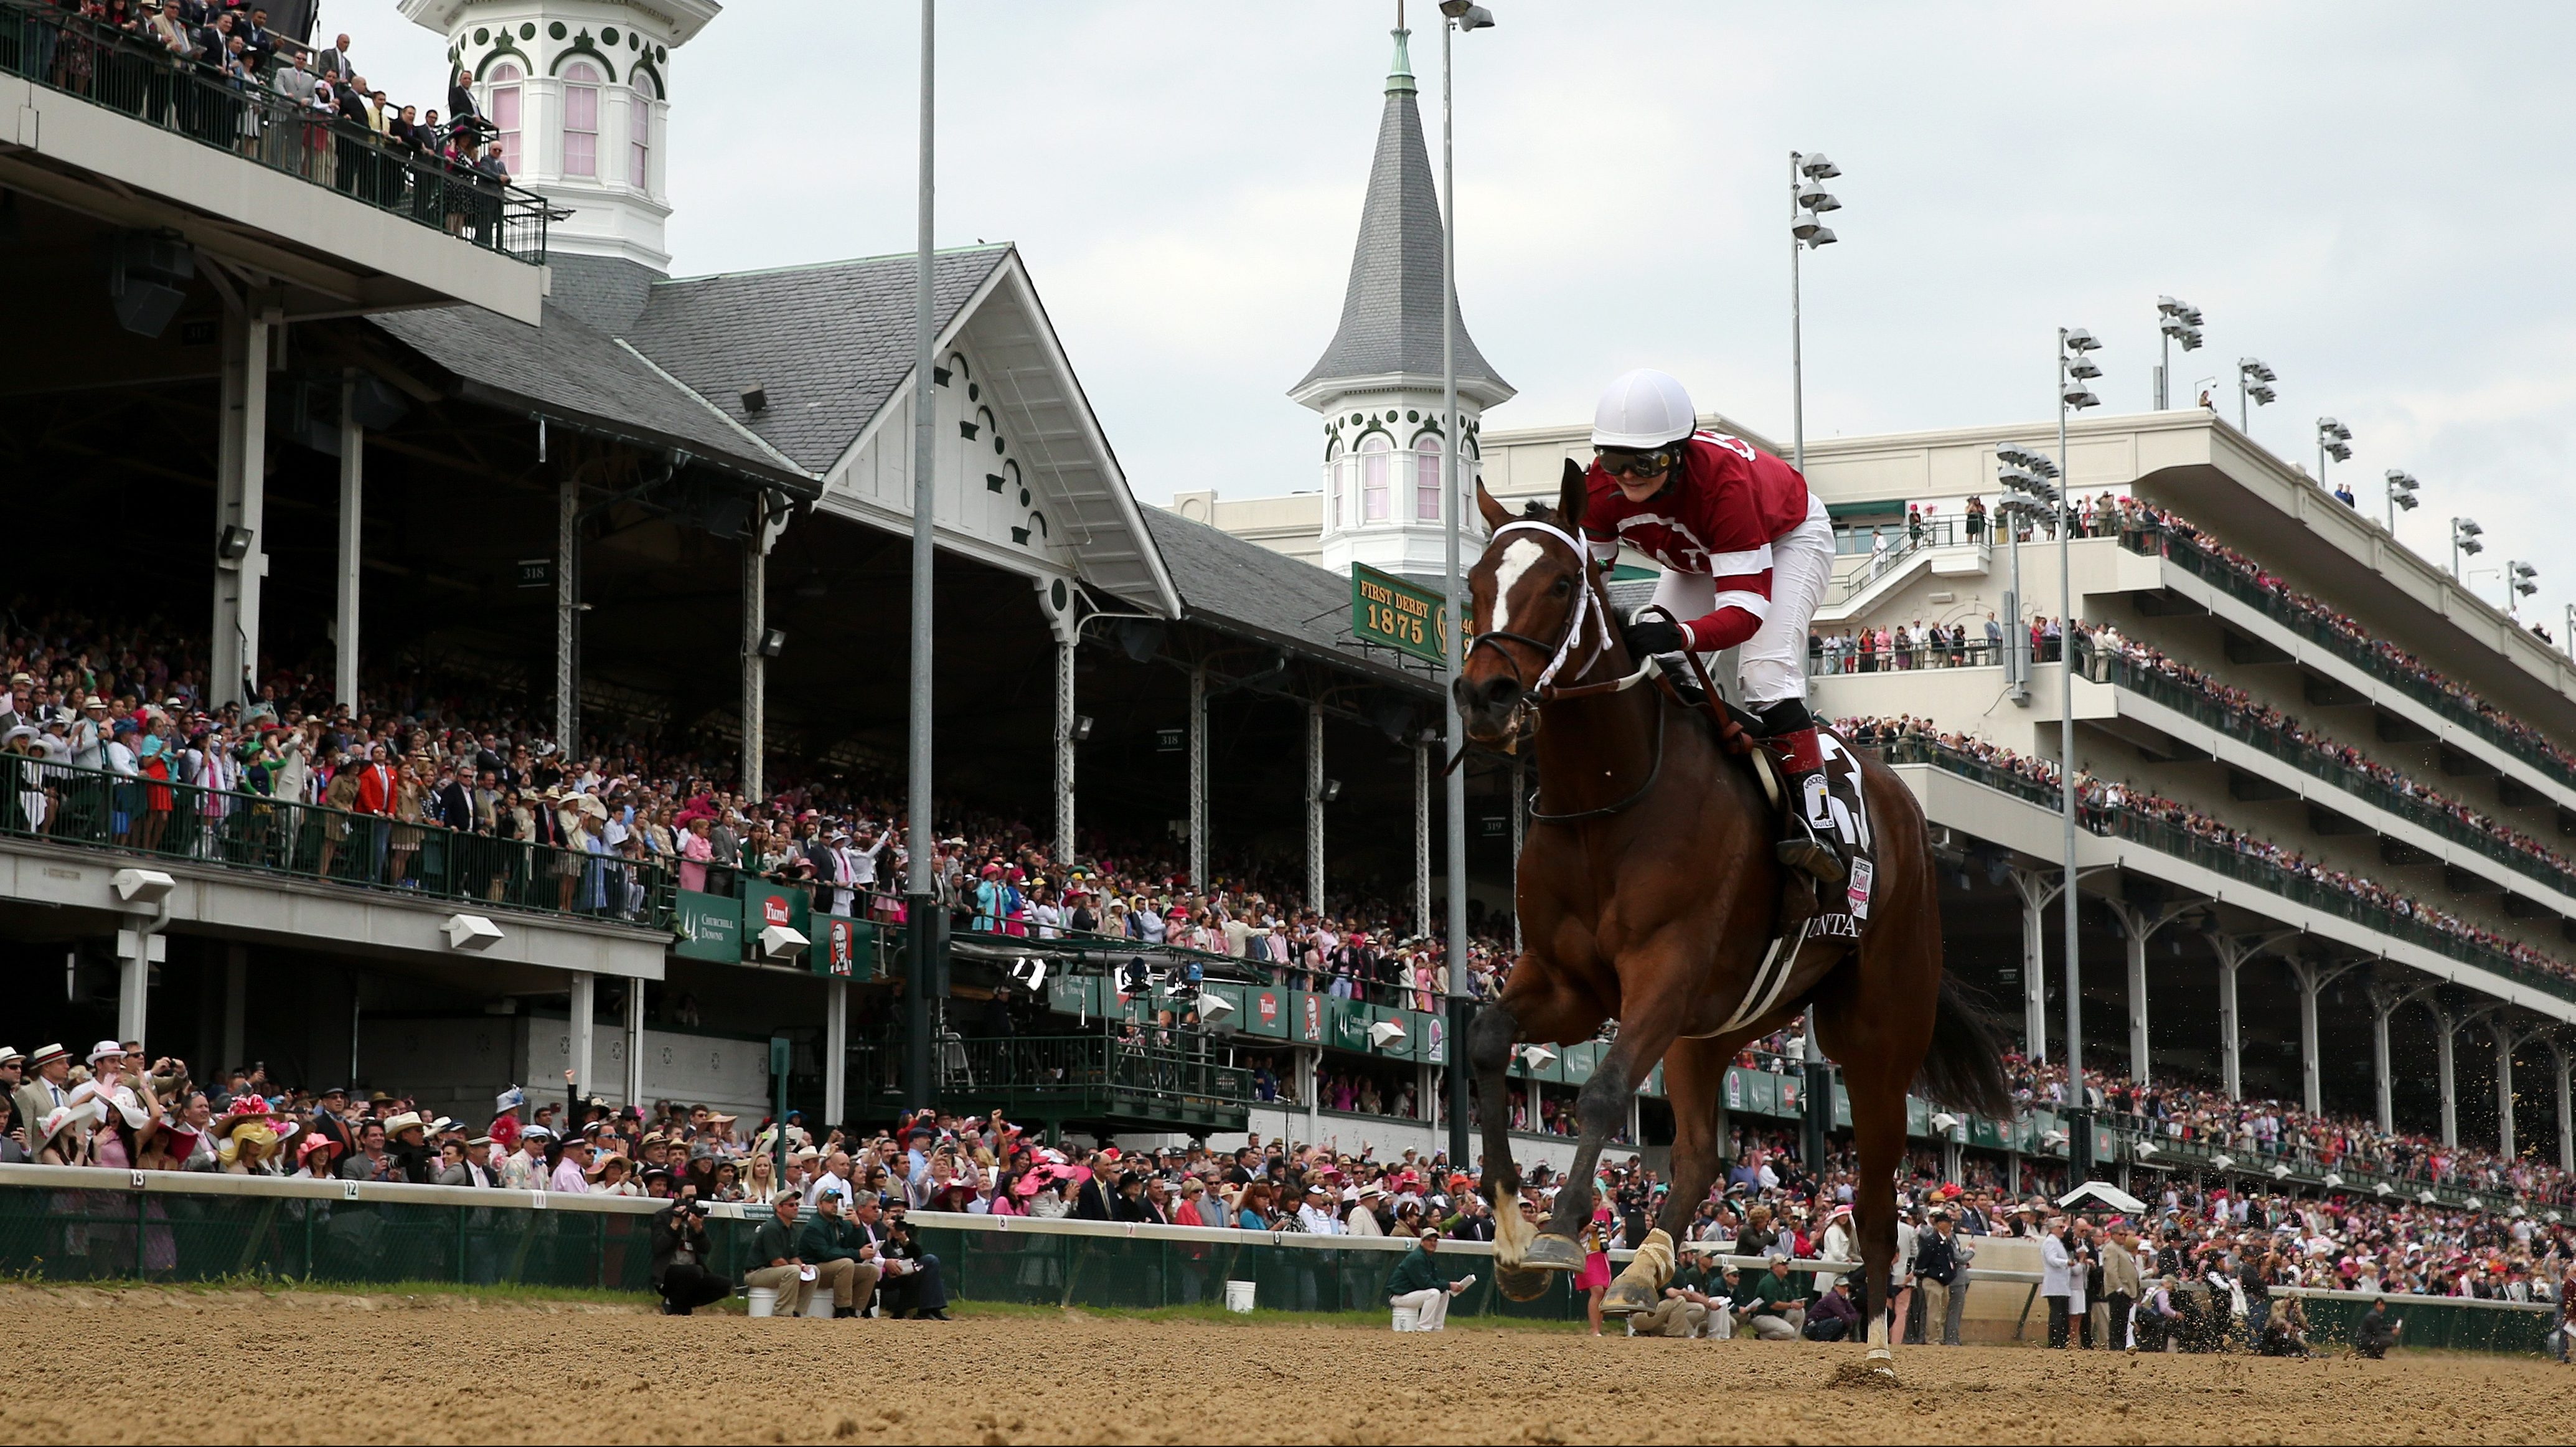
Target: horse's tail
1964, 1068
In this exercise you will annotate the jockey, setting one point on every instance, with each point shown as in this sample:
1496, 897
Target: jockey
1745, 549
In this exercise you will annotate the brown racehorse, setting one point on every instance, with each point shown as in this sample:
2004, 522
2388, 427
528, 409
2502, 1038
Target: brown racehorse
1648, 894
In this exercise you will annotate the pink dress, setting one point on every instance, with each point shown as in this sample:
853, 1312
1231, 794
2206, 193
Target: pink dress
1596, 1262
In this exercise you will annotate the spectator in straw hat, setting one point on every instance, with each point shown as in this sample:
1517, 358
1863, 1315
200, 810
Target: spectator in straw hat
38, 1097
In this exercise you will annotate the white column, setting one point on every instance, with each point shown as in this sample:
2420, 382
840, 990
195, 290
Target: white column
1198, 777
1310, 1086
1422, 838
2138, 924
2231, 1030
134, 979
1426, 1096
1064, 650
755, 666
2444, 1027
583, 1004
353, 479
236, 1003
2382, 1006
2504, 1090
836, 1053
1315, 806
635, 1043
2566, 1126
2312, 979
2036, 890
241, 497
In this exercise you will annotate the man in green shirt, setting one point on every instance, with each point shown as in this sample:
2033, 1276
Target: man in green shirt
1772, 1303
1418, 1282
1687, 1309
777, 1264
842, 1258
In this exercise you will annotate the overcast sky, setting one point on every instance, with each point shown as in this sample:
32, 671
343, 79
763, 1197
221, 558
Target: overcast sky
2373, 198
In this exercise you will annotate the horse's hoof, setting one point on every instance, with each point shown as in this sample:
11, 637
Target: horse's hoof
1552, 1253
1627, 1298
1520, 1284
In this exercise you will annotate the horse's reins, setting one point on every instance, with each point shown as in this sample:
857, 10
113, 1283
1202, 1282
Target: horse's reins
1543, 691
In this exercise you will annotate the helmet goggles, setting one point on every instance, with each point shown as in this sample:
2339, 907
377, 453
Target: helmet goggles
1634, 462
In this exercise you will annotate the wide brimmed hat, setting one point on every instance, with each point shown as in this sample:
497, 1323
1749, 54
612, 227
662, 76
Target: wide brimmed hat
408, 1120
46, 1054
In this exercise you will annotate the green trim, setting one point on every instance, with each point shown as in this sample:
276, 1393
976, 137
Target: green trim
1890, 507
581, 46
661, 90
504, 49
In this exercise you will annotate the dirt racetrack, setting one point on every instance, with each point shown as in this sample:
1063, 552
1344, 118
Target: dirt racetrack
234, 1367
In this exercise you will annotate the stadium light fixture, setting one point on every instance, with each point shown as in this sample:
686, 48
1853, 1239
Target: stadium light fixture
2176, 321
2519, 583
2075, 366
2401, 496
2465, 533
2253, 380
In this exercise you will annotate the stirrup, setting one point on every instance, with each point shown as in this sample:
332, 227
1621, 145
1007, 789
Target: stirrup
1812, 857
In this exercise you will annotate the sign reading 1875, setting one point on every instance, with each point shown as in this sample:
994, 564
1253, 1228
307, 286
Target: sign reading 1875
1387, 609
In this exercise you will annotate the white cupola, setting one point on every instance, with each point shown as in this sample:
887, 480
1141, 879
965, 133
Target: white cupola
580, 90
1378, 384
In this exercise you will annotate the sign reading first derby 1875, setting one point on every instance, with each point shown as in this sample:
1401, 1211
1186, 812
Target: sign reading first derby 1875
1387, 609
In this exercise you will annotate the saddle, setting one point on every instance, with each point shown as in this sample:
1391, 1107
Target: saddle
1805, 910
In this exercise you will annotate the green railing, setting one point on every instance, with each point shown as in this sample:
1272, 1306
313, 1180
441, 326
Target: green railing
2172, 839
2189, 556
130, 74
1172, 1078
2354, 1175
59, 804
2111, 668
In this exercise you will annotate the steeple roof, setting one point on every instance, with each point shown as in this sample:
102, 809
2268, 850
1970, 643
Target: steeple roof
1391, 311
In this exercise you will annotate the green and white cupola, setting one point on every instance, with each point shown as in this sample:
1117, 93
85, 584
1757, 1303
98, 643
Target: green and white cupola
580, 90
1378, 384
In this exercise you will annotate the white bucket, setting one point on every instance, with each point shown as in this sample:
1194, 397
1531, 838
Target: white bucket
764, 1301
821, 1305
1238, 1296
1407, 1318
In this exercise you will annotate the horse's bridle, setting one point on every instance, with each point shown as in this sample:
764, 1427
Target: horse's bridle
1542, 691
1584, 608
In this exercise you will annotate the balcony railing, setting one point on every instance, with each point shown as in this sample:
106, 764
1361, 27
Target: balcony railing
248, 118
2181, 698
150, 818
1173, 1077
2193, 558
2181, 843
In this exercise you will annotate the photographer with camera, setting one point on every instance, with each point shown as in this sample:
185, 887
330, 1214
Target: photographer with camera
680, 1253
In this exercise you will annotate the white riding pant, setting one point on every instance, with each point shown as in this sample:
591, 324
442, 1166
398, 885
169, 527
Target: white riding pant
1772, 664
1430, 1308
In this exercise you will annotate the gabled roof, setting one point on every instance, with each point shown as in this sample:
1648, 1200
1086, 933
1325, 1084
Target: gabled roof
1247, 590
1391, 310
831, 343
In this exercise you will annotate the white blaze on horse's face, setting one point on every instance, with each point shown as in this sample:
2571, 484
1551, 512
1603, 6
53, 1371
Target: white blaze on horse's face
1517, 559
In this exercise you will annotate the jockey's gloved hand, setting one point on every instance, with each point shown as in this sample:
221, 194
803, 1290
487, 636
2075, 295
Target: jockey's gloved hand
1646, 637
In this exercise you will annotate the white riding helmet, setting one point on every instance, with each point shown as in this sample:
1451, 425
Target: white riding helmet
1642, 409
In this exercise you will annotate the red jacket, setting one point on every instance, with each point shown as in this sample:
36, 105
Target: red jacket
375, 789
1717, 520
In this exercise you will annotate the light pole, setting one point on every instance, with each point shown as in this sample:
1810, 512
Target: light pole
2465, 533
2401, 496
920, 972
2178, 321
2075, 368
1456, 15
2518, 585
2254, 380
2333, 440
1808, 199
2026, 477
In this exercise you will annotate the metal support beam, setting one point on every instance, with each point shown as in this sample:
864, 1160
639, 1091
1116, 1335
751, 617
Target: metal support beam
1314, 809
755, 664
353, 483
2232, 952
241, 499
1198, 776
134, 979
2504, 1043
836, 1053
568, 613
2036, 889
635, 1042
2138, 924
585, 988
2312, 978
1064, 649
2566, 1125
2445, 1027
1422, 837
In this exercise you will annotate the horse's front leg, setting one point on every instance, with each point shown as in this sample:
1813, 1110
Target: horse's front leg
1652, 1018
1536, 1005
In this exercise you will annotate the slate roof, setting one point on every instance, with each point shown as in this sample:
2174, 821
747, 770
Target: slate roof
1248, 590
830, 343
569, 368
1391, 311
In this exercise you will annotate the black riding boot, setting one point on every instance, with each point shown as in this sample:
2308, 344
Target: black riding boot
1803, 842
